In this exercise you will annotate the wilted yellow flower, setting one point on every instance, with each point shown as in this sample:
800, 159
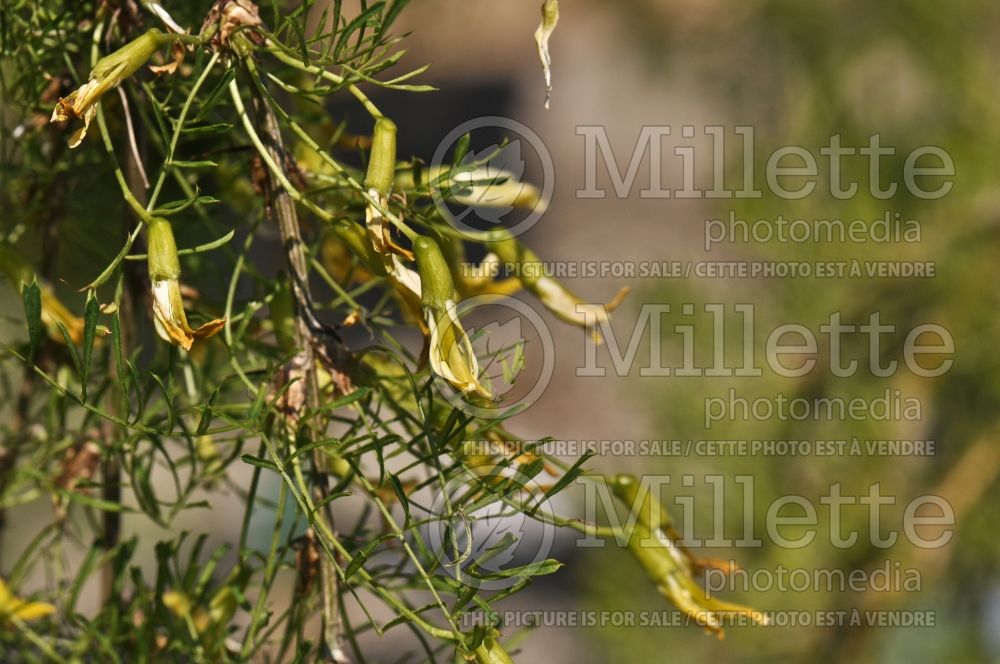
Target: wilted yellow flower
670, 566
337, 258
450, 351
15, 607
168, 305
54, 312
107, 74
353, 236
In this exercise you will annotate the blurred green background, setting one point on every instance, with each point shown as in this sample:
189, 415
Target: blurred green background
917, 73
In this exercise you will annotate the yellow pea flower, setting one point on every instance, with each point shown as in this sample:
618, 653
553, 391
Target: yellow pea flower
168, 305
15, 607
54, 312
450, 351
221, 609
108, 74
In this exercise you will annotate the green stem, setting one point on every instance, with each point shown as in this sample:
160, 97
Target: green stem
333, 547
180, 125
294, 62
143, 212
354, 183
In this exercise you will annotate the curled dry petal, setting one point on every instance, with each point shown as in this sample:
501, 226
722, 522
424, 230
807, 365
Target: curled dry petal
170, 319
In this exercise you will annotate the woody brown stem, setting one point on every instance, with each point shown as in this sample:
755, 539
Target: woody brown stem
281, 206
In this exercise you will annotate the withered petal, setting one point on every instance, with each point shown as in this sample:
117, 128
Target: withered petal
209, 329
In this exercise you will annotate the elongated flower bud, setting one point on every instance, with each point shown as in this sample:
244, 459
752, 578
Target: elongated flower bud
164, 275
449, 349
512, 252
437, 287
482, 187
382, 163
108, 73
162, 257
378, 180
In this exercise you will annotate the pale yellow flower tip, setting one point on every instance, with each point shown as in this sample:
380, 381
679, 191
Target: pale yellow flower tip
168, 305
171, 321
568, 307
449, 350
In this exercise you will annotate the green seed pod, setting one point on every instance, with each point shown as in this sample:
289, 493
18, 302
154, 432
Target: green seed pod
437, 287
357, 240
162, 253
382, 164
